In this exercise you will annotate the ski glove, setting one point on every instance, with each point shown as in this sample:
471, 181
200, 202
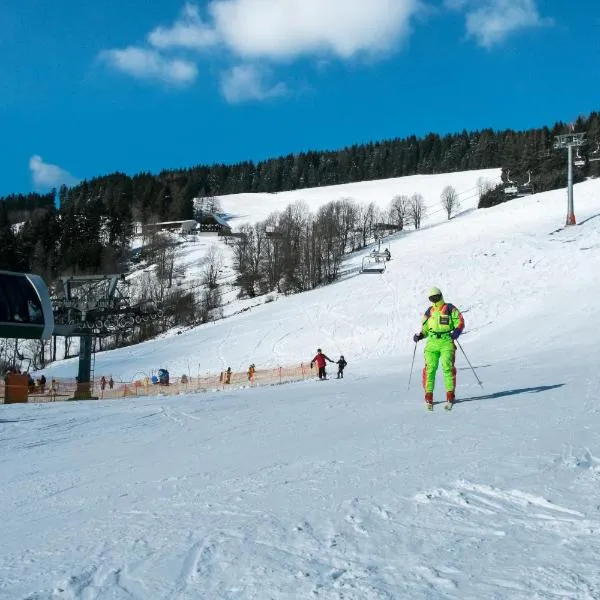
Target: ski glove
454, 334
417, 337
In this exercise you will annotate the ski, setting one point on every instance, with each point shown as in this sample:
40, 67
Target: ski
449, 405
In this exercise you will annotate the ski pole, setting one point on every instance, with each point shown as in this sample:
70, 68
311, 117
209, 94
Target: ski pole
470, 365
412, 365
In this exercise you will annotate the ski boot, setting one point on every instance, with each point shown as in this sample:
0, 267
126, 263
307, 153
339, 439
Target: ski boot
449, 400
429, 400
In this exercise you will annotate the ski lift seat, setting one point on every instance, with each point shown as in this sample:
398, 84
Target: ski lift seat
373, 264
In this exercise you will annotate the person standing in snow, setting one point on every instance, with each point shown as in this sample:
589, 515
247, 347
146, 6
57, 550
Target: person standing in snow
441, 326
320, 360
341, 364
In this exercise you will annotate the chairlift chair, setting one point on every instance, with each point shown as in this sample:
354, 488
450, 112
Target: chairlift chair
595, 155
372, 264
511, 189
526, 189
25, 307
579, 161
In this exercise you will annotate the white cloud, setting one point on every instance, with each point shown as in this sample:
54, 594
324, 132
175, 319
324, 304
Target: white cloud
150, 64
46, 176
244, 83
280, 29
267, 31
492, 21
188, 32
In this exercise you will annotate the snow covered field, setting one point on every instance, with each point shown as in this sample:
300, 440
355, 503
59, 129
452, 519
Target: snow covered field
340, 489
251, 208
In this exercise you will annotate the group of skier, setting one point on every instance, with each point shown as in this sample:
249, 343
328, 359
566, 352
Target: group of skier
441, 325
321, 360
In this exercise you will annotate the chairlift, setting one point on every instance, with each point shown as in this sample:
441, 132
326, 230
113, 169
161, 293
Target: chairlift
511, 189
25, 307
595, 155
579, 161
372, 264
527, 188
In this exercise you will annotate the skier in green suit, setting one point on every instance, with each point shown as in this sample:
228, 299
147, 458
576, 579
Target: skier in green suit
441, 325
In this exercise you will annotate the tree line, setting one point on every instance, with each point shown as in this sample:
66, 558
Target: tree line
296, 250
90, 229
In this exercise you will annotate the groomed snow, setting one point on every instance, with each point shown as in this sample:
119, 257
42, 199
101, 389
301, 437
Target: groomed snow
251, 208
340, 489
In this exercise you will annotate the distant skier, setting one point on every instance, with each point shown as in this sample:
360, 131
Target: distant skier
53, 389
320, 360
341, 363
442, 323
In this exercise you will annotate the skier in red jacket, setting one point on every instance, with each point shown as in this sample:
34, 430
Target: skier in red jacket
320, 360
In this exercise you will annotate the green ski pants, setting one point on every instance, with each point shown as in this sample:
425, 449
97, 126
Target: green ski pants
437, 350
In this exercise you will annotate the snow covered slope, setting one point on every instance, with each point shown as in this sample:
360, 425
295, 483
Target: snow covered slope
251, 208
340, 489
498, 265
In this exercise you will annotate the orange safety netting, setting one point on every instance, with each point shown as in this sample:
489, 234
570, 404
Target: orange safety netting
65, 389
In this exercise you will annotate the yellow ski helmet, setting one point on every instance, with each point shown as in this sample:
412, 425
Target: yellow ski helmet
434, 291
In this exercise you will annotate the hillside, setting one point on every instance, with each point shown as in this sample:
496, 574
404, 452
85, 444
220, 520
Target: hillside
340, 489
478, 258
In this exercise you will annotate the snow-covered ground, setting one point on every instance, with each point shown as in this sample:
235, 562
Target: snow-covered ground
251, 208
340, 489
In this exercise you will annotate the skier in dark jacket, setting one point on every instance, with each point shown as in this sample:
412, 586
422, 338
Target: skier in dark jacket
341, 364
320, 360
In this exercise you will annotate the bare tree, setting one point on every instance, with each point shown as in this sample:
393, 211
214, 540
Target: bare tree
68, 342
206, 205
368, 216
165, 266
212, 267
288, 240
399, 211
417, 210
450, 201
347, 214
210, 305
484, 186
329, 239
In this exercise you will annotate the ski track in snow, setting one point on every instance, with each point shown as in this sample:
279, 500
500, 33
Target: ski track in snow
329, 515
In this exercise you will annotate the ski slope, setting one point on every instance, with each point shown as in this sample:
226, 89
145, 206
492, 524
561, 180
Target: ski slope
248, 209
340, 489
478, 259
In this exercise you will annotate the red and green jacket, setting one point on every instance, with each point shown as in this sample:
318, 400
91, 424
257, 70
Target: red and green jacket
440, 319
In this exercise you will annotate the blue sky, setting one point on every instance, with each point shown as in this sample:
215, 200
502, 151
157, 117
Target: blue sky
90, 88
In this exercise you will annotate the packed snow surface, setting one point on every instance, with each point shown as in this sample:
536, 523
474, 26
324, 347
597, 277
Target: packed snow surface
340, 488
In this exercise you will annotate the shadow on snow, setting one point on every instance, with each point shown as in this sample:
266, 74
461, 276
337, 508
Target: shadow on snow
531, 390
